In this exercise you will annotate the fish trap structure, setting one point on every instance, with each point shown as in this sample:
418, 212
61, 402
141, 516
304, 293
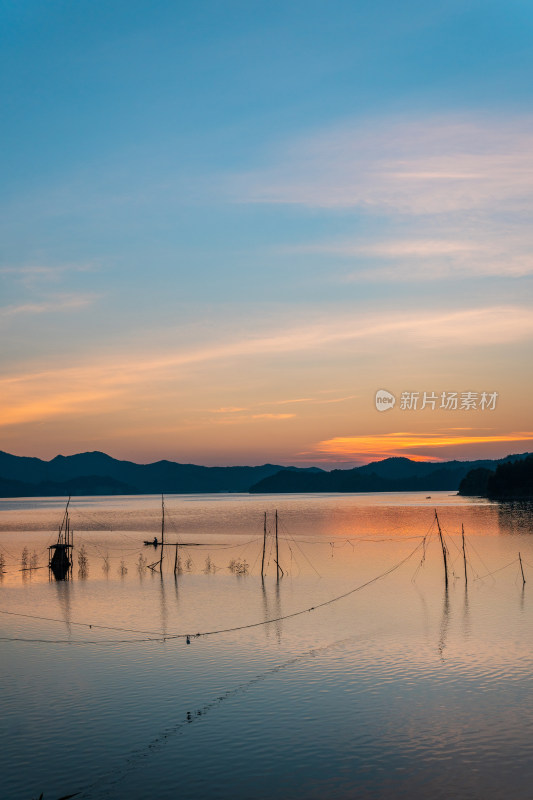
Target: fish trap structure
60, 553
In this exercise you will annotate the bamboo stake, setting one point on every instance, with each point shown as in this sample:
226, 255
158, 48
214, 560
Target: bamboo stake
522, 569
443, 551
264, 544
277, 550
162, 532
464, 552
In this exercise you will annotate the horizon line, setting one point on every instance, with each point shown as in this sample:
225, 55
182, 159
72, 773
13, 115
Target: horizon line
336, 465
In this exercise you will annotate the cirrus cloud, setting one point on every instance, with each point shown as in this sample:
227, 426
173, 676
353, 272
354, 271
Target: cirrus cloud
412, 166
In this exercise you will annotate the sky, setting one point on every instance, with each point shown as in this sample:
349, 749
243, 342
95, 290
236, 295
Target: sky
226, 225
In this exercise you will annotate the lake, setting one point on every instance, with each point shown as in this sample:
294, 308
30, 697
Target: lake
397, 688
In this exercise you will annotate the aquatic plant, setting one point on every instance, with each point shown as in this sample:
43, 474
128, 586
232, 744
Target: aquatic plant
122, 570
141, 563
83, 562
238, 566
209, 566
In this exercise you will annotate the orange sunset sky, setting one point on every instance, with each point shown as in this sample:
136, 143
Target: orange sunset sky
301, 394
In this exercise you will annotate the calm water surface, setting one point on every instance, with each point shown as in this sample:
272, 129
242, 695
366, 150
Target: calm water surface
399, 690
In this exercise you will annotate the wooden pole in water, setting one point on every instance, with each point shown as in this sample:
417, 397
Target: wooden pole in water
264, 544
443, 551
277, 549
176, 561
464, 552
522, 569
162, 532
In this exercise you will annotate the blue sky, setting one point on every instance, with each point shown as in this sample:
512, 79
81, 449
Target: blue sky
181, 177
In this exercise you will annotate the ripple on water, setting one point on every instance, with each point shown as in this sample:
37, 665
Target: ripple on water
401, 690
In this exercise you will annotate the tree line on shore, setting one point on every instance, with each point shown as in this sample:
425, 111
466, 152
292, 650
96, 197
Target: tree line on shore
512, 480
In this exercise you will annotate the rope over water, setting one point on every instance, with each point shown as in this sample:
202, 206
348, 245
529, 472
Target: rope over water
162, 637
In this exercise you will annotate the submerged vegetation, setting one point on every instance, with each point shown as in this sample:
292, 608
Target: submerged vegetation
83, 563
238, 567
28, 561
141, 563
209, 566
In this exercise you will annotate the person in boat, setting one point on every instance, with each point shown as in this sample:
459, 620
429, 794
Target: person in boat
155, 541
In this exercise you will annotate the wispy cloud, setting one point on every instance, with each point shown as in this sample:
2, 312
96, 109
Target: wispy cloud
228, 410
470, 326
133, 373
233, 418
498, 254
51, 306
44, 270
273, 416
315, 401
413, 248
58, 403
33, 276
460, 191
239, 413
418, 166
403, 444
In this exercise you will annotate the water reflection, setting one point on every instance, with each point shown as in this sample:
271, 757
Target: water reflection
63, 590
425, 610
444, 624
516, 517
176, 588
277, 610
466, 614
163, 601
413, 654
105, 565
272, 610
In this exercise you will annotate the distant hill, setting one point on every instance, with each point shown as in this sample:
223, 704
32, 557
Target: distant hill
389, 475
98, 473
87, 485
511, 480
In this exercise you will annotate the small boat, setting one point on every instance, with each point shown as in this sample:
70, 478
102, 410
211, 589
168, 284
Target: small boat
155, 541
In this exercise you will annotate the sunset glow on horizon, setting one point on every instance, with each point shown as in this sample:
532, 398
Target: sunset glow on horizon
408, 445
309, 208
